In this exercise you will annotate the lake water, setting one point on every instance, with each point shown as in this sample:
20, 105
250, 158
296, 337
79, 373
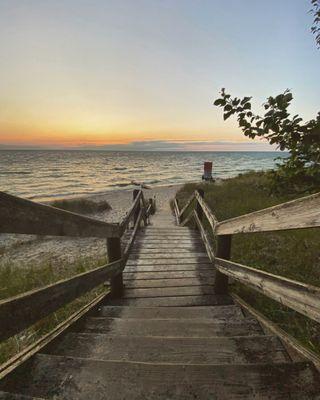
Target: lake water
44, 175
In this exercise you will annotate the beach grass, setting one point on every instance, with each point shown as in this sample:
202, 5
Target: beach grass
82, 205
293, 254
14, 281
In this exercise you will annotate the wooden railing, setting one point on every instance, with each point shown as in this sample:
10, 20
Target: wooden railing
296, 214
26, 217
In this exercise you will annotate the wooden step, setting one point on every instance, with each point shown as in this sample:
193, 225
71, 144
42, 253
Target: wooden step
220, 312
153, 253
181, 301
238, 350
166, 283
168, 291
193, 266
82, 379
168, 261
201, 275
170, 328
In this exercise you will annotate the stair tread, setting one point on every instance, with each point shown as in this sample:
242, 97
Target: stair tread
173, 301
76, 378
170, 328
233, 350
231, 311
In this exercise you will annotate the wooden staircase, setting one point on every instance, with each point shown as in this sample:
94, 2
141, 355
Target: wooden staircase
168, 337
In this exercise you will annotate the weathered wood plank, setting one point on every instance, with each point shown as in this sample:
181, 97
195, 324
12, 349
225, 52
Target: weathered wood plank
168, 292
124, 223
296, 214
170, 255
207, 211
165, 283
169, 274
176, 261
204, 237
19, 312
220, 312
298, 296
92, 379
130, 243
182, 301
242, 350
188, 203
169, 267
23, 216
170, 328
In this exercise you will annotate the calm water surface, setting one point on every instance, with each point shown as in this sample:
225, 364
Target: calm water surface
44, 175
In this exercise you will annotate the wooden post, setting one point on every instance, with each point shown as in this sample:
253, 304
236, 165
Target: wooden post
224, 251
114, 254
137, 211
199, 208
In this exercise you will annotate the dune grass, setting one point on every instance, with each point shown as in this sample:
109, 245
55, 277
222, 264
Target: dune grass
81, 205
293, 254
14, 281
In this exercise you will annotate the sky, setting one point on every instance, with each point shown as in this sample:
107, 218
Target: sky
143, 74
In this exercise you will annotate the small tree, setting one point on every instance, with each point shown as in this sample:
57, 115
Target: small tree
315, 29
301, 139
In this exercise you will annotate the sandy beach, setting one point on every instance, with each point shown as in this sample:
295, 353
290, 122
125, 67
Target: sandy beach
23, 251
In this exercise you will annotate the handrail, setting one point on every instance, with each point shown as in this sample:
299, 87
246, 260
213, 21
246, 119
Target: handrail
189, 201
21, 311
23, 216
298, 296
296, 214
125, 221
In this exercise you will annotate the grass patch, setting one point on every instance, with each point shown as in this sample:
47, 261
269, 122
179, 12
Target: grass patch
14, 281
82, 206
293, 254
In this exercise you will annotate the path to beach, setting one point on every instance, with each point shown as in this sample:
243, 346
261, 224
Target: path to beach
21, 251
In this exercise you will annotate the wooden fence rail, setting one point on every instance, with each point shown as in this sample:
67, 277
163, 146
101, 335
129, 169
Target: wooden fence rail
296, 214
26, 217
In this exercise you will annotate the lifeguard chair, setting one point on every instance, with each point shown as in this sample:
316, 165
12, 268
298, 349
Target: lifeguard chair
207, 171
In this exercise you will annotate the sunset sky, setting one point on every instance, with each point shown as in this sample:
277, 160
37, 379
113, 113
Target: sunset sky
144, 73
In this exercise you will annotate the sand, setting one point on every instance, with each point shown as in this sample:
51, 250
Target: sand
23, 251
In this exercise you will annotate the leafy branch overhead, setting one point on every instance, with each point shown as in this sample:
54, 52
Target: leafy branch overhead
315, 29
301, 139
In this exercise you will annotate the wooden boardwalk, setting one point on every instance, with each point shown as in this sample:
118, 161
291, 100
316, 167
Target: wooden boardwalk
168, 337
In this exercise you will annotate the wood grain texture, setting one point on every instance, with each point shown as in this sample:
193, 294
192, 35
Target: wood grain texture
207, 211
169, 328
168, 291
296, 214
166, 283
204, 237
181, 301
218, 350
50, 376
298, 296
136, 203
19, 312
24, 216
200, 274
221, 312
